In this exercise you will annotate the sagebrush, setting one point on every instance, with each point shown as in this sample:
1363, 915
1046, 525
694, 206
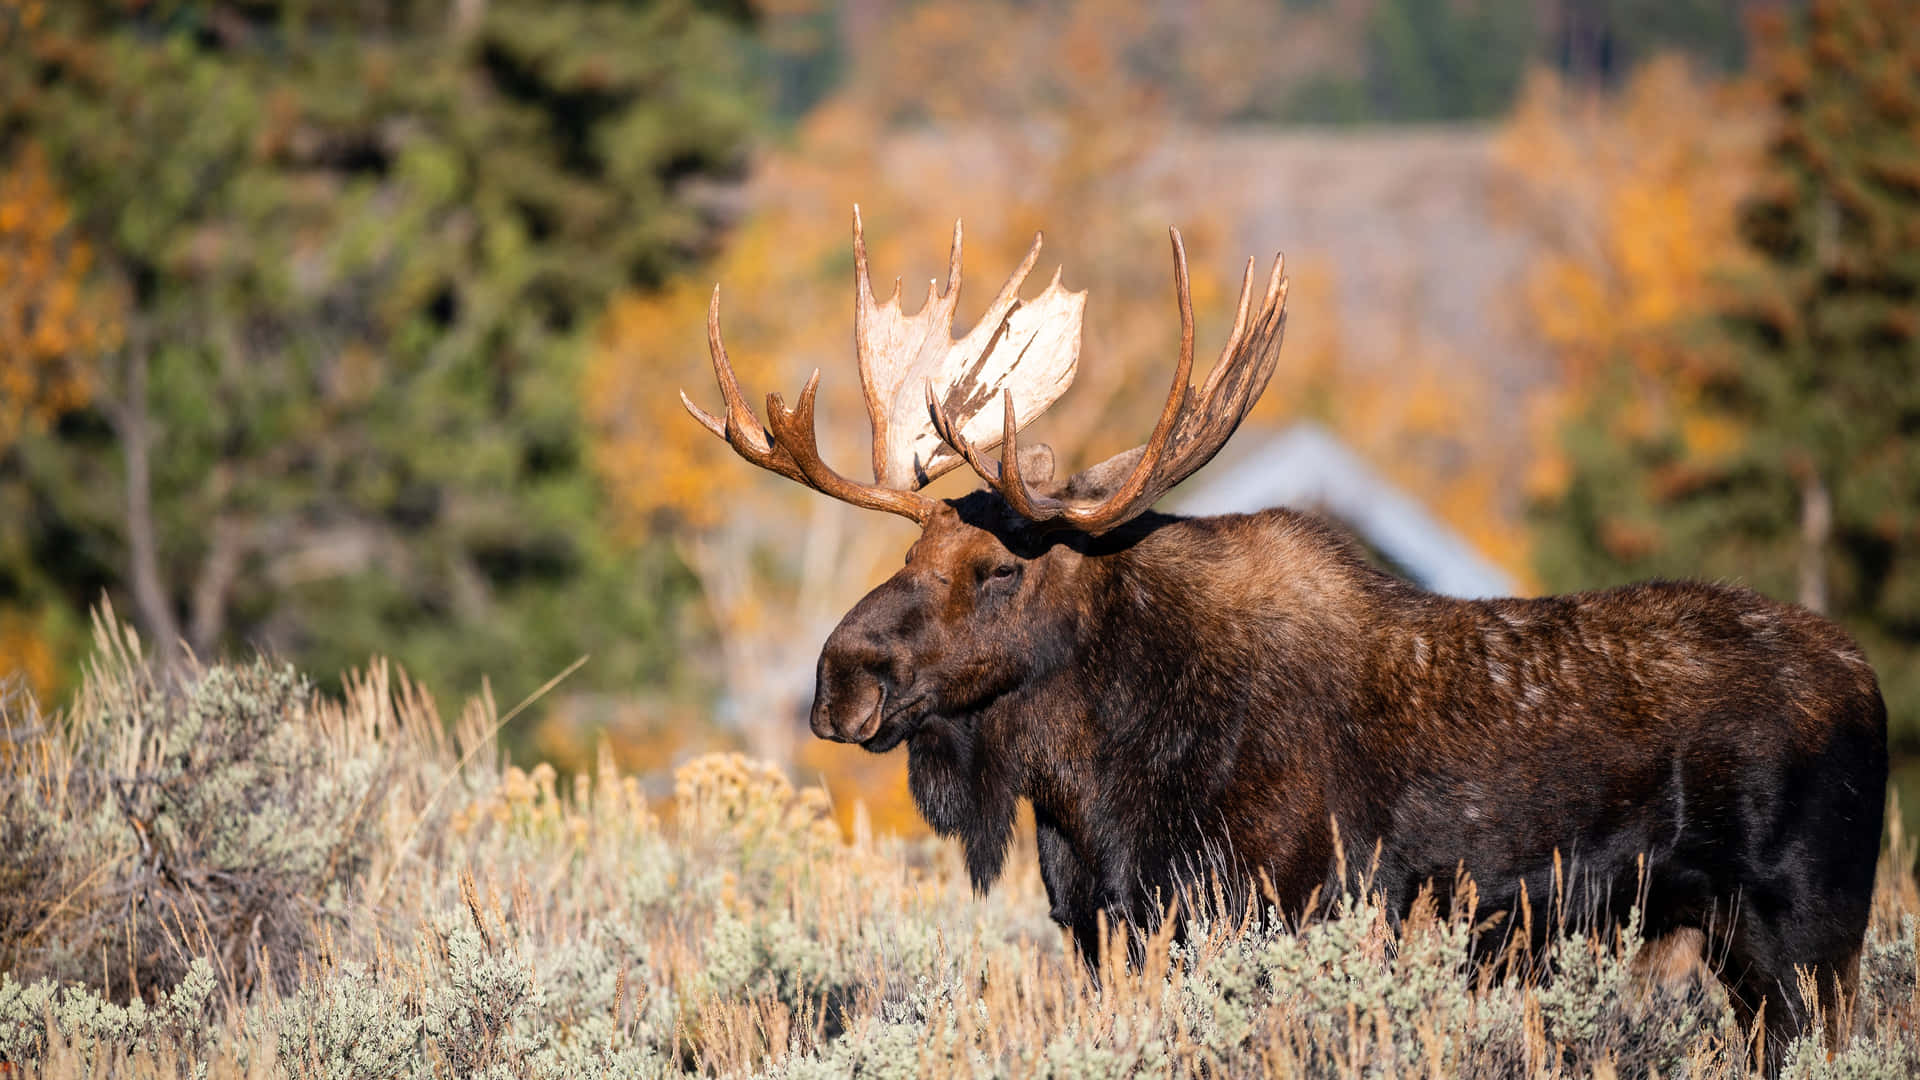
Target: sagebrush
230, 875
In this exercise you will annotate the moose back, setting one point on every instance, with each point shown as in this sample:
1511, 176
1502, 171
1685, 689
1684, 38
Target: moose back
1246, 695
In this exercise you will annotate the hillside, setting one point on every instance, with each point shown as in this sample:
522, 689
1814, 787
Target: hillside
1405, 224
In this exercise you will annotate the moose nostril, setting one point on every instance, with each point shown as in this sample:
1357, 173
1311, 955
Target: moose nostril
851, 714
871, 725
847, 702
817, 716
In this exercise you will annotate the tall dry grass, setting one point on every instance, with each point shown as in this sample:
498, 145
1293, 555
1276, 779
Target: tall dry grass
231, 876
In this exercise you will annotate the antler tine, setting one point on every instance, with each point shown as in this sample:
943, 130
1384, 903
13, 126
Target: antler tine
862, 282
1275, 293
791, 450
1265, 348
1239, 328
953, 275
1009, 291
1012, 486
703, 417
794, 430
1120, 506
738, 415
1182, 372
951, 434
953, 262
1192, 426
862, 279
740, 429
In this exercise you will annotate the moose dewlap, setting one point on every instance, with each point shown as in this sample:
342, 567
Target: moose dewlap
1246, 696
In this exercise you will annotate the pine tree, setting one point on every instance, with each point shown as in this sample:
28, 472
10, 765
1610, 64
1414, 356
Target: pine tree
361, 244
1811, 360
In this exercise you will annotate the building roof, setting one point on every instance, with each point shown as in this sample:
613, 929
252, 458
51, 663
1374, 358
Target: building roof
1308, 468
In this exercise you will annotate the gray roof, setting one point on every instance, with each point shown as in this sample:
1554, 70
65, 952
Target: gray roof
1307, 468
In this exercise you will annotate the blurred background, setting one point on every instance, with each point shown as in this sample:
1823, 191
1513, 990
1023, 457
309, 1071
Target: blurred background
343, 328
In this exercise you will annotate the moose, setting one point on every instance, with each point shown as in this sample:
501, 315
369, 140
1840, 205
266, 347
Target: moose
1248, 694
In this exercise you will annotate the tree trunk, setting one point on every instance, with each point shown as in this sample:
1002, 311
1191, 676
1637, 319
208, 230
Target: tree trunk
1816, 527
224, 554
152, 605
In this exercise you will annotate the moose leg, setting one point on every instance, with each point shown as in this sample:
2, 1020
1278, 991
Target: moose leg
1080, 903
1073, 893
1839, 990
1762, 971
1768, 994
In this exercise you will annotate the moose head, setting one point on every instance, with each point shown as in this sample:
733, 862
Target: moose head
969, 619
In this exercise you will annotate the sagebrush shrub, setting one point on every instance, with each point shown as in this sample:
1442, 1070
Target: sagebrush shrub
167, 821
234, 877
101, 1030
347, 1024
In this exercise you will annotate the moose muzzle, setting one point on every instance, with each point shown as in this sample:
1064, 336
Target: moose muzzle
863, 690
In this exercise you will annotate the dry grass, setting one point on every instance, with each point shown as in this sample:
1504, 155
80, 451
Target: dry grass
232, 877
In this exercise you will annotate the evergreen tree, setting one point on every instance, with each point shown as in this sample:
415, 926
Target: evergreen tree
357, 246
1602, 42
1463, 60
1448, 61
1812, 362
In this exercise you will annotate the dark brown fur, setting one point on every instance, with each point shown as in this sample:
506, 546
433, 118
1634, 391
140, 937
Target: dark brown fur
1184, 695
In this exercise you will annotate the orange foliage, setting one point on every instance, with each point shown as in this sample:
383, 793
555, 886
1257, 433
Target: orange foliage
26, 656
1632, 199
52, 327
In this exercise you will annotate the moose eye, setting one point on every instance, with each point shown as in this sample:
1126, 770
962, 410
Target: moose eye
1003, 571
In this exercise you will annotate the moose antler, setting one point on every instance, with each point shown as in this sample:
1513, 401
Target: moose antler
1031, 346
1192, 427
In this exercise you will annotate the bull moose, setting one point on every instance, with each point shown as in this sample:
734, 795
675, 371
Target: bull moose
1248, 691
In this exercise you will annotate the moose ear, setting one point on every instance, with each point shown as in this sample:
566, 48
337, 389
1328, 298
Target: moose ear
1097, 483
1036, 464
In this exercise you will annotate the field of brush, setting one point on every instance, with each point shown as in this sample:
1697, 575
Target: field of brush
235, 877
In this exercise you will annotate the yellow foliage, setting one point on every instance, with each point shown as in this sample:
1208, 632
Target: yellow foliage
1635, 196
52, 326
1549, 474
1710, 437
1633, 200
26, 656
732, 793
